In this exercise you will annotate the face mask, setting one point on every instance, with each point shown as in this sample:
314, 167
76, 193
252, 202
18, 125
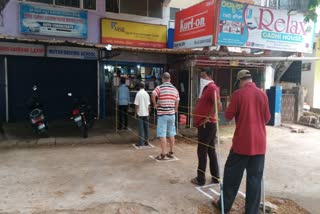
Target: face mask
203, 83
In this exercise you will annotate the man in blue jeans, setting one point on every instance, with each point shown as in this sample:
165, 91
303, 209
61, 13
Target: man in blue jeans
142, 102
166, 106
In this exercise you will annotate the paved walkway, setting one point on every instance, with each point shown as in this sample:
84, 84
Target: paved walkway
117, 178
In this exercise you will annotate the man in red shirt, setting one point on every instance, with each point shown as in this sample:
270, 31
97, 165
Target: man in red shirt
250, 108
205, 120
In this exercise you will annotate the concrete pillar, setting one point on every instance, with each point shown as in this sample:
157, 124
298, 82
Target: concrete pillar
299, 102
268, 77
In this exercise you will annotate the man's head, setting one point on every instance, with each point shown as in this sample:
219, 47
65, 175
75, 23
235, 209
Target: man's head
123, 80
206, 73
244, 76
166, 77
141, 85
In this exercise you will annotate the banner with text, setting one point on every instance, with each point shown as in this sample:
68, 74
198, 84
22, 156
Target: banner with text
72, 52
194, 26
264, 28
133, 34
42, 20
21, 49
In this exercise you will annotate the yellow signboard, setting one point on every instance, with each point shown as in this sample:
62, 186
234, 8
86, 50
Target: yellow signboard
134, 34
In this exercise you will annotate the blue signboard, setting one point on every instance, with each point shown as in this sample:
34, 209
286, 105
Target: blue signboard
48, 21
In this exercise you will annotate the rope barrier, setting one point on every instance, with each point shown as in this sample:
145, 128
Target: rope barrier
187, 138
218, 179
190, 139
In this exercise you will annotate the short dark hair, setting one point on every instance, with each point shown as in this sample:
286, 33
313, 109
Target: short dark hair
123, 80
141, 85
208, 71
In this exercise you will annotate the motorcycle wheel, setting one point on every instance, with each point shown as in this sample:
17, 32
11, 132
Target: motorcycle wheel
84, 130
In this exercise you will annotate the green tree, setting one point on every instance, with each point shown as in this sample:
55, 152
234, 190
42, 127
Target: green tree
311, 14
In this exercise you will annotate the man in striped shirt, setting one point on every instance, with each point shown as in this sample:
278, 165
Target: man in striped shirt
166, 105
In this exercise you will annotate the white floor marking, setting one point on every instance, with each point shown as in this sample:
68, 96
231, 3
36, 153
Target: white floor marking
242, 194
143, 147
201, 189
165, 160
203, 192
215, 192
209, 185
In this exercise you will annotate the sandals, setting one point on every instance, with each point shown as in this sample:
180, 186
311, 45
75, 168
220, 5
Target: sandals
161, 157
170, 155
196, 182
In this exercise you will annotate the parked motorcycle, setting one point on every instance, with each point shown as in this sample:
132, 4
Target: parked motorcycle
36, 114
82, 114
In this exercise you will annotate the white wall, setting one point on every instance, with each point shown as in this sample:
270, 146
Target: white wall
183, 3
311, 79
269, 77
307, 81
165, 13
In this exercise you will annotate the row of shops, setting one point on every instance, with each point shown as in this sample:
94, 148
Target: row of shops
88, 69
88, 72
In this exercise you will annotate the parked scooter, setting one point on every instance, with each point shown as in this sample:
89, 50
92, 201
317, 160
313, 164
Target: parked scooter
36, 114
82, 115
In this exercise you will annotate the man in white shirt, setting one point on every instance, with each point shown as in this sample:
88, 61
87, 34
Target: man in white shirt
142, 102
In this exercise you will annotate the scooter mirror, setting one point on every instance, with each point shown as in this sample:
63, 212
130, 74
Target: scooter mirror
35, 88
70, 94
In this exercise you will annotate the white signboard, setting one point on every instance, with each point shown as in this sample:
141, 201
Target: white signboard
72, 52
264, 28
21, 49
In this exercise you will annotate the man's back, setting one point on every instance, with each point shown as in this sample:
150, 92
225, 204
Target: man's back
123, 95
167, 95
143, 101
249, 106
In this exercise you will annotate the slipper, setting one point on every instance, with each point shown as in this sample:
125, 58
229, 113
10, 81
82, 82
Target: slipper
170, 155
195, 181
161, 157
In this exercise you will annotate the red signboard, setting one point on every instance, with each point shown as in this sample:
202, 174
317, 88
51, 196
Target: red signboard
195, 26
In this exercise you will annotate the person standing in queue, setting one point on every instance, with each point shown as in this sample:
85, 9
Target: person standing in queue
166, 106
123, 104
206, 122
142, 103
250, 108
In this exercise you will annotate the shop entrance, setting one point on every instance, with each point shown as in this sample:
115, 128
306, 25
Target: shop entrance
134, 73
54, 78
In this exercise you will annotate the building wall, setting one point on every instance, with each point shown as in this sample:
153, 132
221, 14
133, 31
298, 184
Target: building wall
183, 4
310, 79
11, 20
11, 23
316, 90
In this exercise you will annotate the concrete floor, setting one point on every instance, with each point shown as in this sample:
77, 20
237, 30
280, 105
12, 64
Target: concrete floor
113, 178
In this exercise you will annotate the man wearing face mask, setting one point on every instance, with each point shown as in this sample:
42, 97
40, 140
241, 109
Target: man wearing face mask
205, 120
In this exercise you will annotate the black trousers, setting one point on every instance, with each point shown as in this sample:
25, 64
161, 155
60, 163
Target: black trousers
233, 173
206, 147
123, 116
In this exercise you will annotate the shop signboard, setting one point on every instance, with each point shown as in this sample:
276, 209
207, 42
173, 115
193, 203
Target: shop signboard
72, 52
21, 49
48, 21
134, 34
195, 26
257, 27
